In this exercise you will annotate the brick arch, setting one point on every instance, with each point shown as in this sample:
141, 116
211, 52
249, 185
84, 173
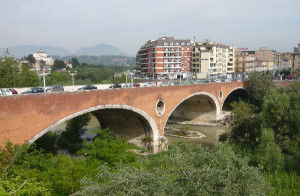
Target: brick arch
148, 118
237, 88
192, 95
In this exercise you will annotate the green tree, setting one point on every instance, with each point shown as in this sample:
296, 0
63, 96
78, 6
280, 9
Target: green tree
56, 78
108, 149
75, 62
74, 129
269, 154
182, 170
9, 72
246, 127
259, 85
31, 59
29, 78
59, 64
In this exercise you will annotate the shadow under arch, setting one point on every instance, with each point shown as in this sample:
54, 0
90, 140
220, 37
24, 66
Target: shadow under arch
234, 95
194, 106
145, 120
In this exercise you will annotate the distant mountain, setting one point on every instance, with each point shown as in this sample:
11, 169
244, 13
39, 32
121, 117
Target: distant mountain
25, 50
101, 49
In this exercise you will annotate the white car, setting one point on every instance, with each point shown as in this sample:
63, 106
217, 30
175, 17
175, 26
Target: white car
150, 84
5, 92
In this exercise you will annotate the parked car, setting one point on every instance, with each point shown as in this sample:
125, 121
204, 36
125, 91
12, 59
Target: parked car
88, 87
116, 86
149, 84
127, 86
55, 88
14, 92
5, 92
34, 90
136, 85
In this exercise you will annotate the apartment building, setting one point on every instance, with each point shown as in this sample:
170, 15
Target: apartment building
295, 58
213, 59
165, 57
269, 56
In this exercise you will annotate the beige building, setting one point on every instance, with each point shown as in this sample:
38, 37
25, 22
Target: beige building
295, 60
214, 59
271, 57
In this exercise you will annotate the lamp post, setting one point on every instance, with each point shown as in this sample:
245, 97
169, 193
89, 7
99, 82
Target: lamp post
44, 79
72, 74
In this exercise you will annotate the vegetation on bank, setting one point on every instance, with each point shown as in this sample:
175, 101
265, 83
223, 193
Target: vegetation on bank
266, 128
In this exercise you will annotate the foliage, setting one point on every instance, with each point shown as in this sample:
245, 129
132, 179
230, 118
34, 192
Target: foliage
108, 149
31, 59
58, 78
59, 64
105, 60
47, 142
29, 78
283, 183
9, 72
74, 129
33, 172
259, 85
246, 127
75, 63
281, 112
183, 170
269, 154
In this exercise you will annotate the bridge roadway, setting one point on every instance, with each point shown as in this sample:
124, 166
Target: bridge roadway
135, 112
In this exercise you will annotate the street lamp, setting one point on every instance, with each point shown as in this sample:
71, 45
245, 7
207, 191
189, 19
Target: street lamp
44, 79
72, 74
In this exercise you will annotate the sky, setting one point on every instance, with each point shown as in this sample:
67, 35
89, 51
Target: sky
128, 24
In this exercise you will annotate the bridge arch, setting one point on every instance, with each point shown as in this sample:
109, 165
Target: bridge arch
150, 127
234, 95
212, 100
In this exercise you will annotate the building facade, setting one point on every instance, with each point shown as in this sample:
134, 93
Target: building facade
165, 57
43, 60
213, 59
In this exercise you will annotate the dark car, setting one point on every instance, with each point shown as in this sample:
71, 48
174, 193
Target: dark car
116, 86
34, 90
55, 88
88, 87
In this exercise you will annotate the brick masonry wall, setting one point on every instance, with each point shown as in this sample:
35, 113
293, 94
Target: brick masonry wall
24, 116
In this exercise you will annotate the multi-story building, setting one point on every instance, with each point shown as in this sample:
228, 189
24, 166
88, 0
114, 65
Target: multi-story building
295, 59
165, 57
286, 61
214, 59
265, 55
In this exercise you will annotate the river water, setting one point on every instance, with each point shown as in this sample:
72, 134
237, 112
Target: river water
211, 132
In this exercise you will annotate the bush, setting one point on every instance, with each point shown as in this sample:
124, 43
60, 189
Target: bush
183, 170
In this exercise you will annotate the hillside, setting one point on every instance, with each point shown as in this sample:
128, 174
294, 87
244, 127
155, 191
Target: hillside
106, 60
98, 50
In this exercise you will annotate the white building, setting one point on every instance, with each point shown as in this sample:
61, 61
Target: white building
210, 58
43, 56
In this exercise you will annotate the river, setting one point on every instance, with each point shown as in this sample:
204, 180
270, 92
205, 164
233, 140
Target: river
211, 132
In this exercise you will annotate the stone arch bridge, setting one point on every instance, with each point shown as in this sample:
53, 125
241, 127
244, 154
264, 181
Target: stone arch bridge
139, 112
